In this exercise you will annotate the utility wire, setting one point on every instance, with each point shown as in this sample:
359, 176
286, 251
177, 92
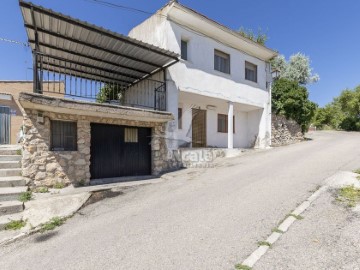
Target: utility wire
14, 42
112, 5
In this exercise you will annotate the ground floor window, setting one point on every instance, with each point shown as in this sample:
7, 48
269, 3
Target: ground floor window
223, 123
63, 136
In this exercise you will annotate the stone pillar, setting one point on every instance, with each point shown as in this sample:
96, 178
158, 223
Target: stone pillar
231, 125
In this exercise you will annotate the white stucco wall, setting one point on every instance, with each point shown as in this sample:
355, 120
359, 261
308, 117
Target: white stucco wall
197, 76
246, 122
143, 93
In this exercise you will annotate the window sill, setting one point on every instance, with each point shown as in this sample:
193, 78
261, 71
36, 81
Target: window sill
225, 132
223, 74
253, 83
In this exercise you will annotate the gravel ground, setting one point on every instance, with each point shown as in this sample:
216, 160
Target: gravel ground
201, 219
327, 238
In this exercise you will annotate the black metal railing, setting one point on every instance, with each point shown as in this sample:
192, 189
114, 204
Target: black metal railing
61, 78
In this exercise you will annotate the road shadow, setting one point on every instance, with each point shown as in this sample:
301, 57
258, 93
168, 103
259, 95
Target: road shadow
45, 236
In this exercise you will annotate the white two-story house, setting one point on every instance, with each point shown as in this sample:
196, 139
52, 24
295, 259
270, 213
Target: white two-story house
220, 90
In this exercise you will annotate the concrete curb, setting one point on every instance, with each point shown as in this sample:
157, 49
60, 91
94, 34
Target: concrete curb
284, 227
20, 236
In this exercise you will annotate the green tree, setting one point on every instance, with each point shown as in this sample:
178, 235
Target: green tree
297, 69
291, 99
342, 113
329, 116
259, 37
110, 92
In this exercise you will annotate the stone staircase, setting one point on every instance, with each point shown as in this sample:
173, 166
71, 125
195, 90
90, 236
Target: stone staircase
11, 184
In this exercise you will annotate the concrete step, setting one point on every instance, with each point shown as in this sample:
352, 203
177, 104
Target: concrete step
10, 172
10, 158
10, 207
8, 218
12, 181
11, 193
10, 152
10, 164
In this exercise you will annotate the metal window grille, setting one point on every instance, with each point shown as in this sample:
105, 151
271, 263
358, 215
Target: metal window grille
63, 136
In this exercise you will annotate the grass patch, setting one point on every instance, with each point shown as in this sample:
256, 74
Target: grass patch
298, 217
357, 171
41, 190
15, 225
25, 196
59, 185
242, 267
82, 183
277, 230
349, 195
19, 152
52, 224
264, 243
358, 178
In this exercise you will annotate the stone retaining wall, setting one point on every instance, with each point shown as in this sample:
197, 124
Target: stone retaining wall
42, 167
284, 131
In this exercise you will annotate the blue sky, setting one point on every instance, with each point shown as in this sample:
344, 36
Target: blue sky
327, 31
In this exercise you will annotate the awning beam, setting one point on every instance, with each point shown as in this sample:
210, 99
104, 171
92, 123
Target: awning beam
91, 75
51, 33
89, 57
91, 66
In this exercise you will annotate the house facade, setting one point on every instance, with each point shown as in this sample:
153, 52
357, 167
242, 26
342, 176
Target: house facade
219, 92
106, 120
124, 105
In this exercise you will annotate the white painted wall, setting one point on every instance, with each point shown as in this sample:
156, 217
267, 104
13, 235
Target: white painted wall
215, 138
142, 94
197, 76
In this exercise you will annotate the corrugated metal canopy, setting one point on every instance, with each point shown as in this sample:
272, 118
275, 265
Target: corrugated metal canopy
90, 51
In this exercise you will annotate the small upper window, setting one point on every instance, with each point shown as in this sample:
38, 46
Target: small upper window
184, 49
222, 62
250, 72
179, 118
63, 136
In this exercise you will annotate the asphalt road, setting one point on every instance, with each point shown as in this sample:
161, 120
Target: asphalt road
201, 219
327, 238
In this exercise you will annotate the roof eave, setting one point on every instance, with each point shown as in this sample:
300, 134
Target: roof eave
267, 53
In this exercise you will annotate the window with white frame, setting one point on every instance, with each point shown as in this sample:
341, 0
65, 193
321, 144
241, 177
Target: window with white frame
250, 72
222, 61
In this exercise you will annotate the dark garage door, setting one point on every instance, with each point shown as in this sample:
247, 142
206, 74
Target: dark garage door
119, 151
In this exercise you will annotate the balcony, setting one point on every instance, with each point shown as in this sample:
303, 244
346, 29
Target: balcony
78, 60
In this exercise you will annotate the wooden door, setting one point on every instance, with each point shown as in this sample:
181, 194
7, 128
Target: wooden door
198, 128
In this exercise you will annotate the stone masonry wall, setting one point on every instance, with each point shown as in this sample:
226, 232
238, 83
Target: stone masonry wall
284, 131
42, 167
